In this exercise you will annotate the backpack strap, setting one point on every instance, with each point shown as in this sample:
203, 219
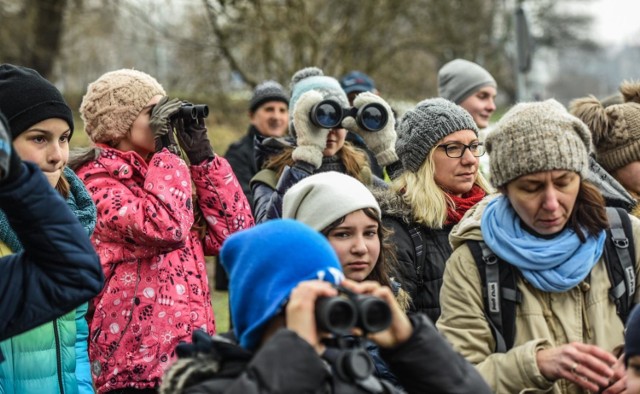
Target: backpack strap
619, 259
500, 294
265, 176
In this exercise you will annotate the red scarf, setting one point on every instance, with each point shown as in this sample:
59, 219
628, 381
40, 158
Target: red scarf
463, 203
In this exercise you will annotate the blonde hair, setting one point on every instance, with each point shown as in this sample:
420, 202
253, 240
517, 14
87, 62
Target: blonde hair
428, 201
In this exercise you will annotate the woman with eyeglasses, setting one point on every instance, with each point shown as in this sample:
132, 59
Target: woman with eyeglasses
439, 149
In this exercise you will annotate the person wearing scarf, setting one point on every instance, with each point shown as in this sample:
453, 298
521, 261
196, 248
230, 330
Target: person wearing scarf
438, 147
549, 222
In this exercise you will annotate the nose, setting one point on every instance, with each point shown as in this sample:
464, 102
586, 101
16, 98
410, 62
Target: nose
359, 247
491, 105
54, 153
468, 158
550, 202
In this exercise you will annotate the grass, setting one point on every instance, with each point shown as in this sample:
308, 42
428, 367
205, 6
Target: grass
220, 302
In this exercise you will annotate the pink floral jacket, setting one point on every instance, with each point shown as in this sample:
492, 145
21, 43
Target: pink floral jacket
156, 289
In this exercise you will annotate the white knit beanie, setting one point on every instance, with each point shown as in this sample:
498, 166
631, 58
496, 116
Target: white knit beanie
323, 198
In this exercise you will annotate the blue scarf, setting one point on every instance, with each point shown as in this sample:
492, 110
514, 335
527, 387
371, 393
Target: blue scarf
554, 265
79, 201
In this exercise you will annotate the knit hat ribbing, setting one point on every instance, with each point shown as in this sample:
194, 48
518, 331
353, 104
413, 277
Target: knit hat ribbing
265, 92
420, 129
114, 101
615, 129
535, 137
26, 98
460, 78
323, 198
265, 263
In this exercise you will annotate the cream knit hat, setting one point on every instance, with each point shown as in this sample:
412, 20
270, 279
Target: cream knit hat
323, 198
114, 101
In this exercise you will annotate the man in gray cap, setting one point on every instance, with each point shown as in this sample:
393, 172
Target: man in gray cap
471, 87
269, 114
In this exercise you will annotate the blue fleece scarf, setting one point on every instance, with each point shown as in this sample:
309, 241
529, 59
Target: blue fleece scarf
554, 265
79, 201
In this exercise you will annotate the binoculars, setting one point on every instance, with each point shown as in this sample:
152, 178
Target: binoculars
329, 114
338, 315
190, 111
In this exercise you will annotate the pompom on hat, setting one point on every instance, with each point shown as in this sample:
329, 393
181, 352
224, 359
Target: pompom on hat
265, 263
420, 129
535, 137
26, 98
114, 101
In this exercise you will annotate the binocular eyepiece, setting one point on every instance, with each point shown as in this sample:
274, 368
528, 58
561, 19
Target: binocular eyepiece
329, 114
190, 111
338, 315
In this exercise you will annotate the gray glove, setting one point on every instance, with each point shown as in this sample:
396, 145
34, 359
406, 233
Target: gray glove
311, 140
383, 142
160, 124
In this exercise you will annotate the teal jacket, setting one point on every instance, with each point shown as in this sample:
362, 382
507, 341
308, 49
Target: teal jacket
53, 357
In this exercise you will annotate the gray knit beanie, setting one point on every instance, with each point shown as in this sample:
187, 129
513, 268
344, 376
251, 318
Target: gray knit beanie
420, 129
114, 101
535, 137
265, 92
460, 78
323, 198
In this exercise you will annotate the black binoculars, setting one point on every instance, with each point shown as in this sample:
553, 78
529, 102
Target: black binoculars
329, 114
338, 315
190, 111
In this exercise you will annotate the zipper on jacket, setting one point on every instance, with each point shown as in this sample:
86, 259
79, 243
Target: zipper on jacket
56, 334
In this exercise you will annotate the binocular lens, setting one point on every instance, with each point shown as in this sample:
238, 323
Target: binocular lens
336, 314
190, 111
326, 114
374, 313
372, 117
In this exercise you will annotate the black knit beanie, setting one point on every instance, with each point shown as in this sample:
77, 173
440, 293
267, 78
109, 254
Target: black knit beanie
26, 98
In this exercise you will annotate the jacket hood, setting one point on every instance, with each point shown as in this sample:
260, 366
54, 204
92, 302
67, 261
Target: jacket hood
468, 229
393, 205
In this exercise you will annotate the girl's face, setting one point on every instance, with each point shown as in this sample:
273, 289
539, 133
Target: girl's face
46, 144
357, 245
481, 105
335, 142
140, 137
544, 200
456, 175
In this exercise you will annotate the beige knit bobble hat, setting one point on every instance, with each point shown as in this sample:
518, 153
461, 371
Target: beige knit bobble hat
615, 128
114, 101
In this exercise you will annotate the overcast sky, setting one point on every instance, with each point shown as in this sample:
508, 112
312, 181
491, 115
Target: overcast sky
616, 21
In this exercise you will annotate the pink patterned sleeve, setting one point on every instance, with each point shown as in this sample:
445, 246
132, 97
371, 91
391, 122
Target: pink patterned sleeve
222, 201
156, 213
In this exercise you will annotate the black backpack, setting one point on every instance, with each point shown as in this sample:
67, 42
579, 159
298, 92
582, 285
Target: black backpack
501, 294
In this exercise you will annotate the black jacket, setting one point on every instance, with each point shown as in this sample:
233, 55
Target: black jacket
421, 280
58, 269
426, 363
241, 157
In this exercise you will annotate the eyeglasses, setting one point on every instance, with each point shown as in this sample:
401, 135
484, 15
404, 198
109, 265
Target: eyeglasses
455, 150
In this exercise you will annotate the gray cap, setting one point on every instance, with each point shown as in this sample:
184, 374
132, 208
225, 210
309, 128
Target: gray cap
420, 129
265, 92
460, 78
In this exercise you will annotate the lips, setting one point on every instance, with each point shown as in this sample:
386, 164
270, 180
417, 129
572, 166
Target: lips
358, 265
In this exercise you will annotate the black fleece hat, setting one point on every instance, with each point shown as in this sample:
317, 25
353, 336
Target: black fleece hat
26, 98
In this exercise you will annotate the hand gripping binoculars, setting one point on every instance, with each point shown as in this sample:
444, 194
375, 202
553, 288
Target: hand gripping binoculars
338, 315
329, 114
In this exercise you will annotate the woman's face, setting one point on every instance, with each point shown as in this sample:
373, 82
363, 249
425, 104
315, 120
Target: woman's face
46, 144
140, 137
456, 175
481, 105
544, 200
629, 176
357, 244
335, 142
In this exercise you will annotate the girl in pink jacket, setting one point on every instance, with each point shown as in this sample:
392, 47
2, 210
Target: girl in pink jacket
157, 218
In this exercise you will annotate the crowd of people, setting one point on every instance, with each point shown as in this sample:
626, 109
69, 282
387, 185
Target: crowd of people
366, 251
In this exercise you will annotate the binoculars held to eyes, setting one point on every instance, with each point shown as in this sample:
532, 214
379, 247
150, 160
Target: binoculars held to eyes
338, 315
329, 114
189, 112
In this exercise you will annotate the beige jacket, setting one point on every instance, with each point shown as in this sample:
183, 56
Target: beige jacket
583, 314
